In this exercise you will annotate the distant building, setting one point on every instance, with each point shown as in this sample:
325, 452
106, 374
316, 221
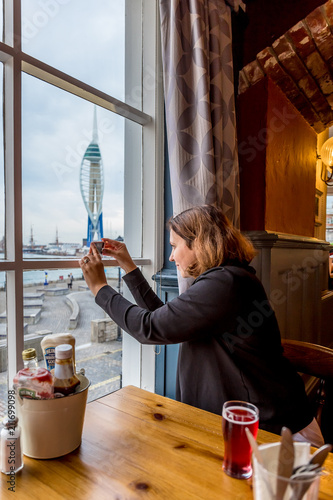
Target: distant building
92, 186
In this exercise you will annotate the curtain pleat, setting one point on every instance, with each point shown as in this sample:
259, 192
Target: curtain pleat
199, 104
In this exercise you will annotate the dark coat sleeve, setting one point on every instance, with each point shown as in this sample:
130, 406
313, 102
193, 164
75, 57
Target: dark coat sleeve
187, 317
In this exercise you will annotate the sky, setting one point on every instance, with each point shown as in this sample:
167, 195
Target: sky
86, 40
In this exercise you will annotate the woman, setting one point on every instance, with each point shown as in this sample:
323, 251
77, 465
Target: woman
230, 340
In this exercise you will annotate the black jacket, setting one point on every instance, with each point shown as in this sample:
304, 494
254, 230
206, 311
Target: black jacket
230, 343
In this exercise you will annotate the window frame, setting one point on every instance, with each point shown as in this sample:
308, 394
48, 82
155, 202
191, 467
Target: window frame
138, 360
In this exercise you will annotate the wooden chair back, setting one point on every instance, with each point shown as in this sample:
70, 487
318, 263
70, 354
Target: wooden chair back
313, 360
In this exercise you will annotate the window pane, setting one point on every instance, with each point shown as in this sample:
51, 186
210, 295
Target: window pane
53, 304
61, 139
93, 31
58, 130
329, 218
1, 20
2, 178
3, 347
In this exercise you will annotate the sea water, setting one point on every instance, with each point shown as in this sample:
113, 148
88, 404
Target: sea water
39, 277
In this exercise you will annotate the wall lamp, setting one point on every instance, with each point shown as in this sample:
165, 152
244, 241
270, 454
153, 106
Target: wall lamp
326, 155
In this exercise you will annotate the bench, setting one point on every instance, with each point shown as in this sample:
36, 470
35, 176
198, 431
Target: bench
84, 287
30, 315
31, 340
32, 303
3, 330
34, 295
55, 291
71, 302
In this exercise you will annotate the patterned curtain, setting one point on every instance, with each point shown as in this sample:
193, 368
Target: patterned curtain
199, 103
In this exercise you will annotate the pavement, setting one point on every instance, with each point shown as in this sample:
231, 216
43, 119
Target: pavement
102, 361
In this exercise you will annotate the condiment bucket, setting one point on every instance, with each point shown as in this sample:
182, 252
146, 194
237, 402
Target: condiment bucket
51, 428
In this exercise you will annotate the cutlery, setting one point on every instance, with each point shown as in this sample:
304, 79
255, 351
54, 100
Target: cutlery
320, 455
302, 483
316, 460
302, 473
301, 476
306, 468
285, 463
308, 471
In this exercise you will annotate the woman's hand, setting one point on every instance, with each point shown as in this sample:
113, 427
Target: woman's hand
118, 251
93, 270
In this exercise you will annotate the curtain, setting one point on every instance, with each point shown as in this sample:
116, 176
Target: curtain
199, 104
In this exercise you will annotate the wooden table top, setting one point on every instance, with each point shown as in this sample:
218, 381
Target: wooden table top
139, 445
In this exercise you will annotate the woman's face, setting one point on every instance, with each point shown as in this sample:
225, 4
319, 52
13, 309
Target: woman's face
181, 254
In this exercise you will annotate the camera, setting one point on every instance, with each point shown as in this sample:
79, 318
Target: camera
99, 245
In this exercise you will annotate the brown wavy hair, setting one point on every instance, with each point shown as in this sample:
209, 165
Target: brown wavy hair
215, 240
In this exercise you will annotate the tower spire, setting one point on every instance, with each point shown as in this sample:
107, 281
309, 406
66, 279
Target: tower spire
92, 185
95, 130
31, 237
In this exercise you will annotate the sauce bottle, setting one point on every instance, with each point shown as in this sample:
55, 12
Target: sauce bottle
50, 342
29, 357
33, 381
65, 380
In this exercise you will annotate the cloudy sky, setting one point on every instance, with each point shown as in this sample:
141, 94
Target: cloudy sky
86, 40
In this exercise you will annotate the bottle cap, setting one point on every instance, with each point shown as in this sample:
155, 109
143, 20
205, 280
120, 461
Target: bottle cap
63, 351
10, 422
29, 353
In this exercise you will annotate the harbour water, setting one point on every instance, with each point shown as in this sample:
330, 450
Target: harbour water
39, 277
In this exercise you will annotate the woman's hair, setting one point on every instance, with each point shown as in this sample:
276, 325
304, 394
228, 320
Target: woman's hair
215, 240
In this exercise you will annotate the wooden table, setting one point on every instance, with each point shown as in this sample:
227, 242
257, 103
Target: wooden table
138, 445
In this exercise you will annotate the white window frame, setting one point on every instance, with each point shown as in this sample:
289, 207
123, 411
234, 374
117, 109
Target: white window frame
138, 361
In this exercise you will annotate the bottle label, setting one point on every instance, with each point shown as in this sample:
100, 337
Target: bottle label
24, 392
49, 356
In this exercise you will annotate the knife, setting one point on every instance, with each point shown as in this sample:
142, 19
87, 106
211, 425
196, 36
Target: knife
285, 463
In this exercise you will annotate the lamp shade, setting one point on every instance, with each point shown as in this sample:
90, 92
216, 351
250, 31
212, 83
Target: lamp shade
326, 152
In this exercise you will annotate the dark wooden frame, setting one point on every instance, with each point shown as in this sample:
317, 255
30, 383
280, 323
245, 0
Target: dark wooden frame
314, 360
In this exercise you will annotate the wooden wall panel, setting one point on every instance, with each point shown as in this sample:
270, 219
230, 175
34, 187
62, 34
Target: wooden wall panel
290, 168
277, 159
252, 118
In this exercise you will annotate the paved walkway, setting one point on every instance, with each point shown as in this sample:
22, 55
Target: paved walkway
101, 361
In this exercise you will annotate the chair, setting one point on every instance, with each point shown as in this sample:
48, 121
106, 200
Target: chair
315, 361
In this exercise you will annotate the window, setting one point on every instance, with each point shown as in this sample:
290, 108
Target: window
2, 176
87, 71
94, 31
57, 128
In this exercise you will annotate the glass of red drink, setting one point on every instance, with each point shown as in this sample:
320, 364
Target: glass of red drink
236, 416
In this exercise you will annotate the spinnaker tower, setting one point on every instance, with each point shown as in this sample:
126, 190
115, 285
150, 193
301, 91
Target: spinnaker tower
92, 186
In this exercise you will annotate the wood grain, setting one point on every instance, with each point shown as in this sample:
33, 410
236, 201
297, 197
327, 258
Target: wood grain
138, 445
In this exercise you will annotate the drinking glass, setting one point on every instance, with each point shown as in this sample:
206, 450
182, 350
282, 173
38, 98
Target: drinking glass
267, 485
236, 416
